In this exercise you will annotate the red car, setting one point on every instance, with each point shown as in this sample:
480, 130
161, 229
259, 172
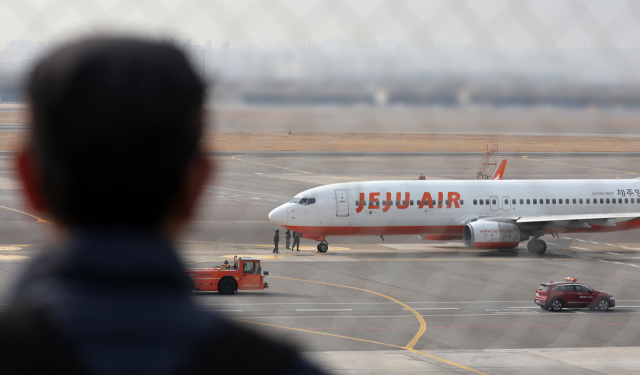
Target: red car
554, 296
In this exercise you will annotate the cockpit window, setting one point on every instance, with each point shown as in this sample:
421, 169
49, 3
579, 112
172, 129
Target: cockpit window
307, 201
294, 200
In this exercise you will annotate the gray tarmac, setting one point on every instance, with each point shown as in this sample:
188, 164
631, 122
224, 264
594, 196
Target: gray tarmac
364, 300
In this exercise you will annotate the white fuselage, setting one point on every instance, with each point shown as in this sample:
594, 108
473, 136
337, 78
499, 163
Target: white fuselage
339, 209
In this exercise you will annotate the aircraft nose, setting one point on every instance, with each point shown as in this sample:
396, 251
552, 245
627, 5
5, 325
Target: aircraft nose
279, 215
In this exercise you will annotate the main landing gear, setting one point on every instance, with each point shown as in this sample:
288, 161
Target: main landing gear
537, 246
323, 247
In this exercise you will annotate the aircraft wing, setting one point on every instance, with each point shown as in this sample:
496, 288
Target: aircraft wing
581, 220
570, 221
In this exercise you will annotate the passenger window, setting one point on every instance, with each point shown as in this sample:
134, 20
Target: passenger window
582, 288
620, 200
608, 200
397, 203
529, 202
486, 201
632, 200
384, 203
439, 203
481, 202
522, 201
461, 202
613, 201
433, 202
404, 202
535, 201
418, 202
411, 202
588, 201
574, 201
357, 203
626, 200
493, 201
506, 201
370, 203
602, 201
566, 201
580, 201
564, 288
311, 201
548, 201
475, 202
446, 202
553, 201
390, 203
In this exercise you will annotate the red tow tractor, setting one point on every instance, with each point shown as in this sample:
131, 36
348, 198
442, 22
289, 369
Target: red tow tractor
243, 274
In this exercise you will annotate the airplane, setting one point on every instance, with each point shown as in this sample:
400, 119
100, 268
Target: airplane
484, 214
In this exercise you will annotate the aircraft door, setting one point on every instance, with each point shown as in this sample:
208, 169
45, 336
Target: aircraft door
342, 203
494, 203
506, 204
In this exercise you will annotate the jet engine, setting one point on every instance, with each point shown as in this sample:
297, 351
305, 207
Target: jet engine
492, 235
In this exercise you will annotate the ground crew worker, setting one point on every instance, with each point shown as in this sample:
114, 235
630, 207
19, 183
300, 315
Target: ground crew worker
276, 239
287, 234
296, 241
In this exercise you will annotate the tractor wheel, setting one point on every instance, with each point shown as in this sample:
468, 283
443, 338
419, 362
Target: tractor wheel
227, 286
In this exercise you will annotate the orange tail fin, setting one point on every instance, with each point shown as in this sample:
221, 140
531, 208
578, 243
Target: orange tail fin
500, 171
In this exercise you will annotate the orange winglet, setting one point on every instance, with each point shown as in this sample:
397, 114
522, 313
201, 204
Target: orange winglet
500, 171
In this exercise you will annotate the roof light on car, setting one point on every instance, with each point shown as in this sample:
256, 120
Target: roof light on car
570, 279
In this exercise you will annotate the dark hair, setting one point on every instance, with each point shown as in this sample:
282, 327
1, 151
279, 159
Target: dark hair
115, 122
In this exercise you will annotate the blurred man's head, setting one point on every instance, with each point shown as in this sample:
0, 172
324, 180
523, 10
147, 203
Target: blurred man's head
114, 135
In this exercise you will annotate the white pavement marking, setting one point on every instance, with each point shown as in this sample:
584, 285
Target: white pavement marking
563, 314
602, 243
324, 310
354, 303
251, 192
436, 308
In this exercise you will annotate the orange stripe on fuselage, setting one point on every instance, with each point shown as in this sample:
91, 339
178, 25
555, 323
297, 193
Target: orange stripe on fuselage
450, 230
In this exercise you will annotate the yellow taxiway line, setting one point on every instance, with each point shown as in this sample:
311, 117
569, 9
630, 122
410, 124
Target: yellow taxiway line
28, 214
423, 325
369, 341
409, 346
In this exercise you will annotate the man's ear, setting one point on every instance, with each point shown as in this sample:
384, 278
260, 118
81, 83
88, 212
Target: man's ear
27, 169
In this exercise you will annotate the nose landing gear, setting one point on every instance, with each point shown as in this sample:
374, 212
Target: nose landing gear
323, 247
